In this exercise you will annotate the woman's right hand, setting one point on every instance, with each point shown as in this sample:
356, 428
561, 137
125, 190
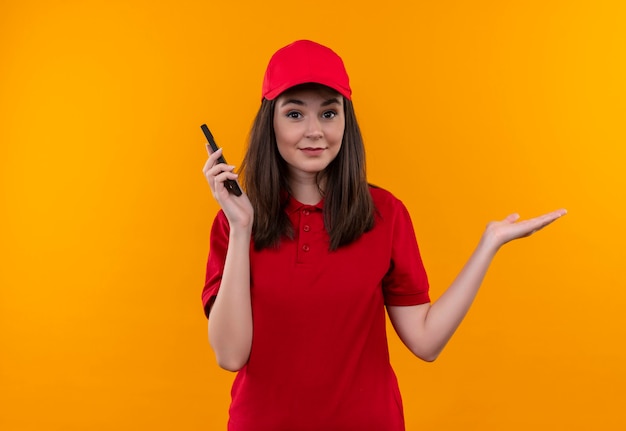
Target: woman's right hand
238, 209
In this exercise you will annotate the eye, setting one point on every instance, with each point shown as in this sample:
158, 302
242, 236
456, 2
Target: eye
329, 114
294, 114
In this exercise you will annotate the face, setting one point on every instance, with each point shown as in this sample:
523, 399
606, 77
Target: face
309, 125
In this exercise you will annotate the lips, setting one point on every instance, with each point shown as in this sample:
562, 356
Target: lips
312, 151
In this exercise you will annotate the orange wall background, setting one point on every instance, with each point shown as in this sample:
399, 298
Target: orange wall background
470, 111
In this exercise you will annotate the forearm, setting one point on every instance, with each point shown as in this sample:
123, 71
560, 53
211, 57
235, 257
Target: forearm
446, 314
230, 319
425, 328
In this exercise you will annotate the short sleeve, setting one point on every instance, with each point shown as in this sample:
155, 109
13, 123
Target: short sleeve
406, 282
218, 245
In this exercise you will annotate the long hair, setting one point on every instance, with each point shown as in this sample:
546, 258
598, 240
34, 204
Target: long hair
348, 206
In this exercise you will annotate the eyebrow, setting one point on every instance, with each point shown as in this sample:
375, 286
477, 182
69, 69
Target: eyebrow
299, 102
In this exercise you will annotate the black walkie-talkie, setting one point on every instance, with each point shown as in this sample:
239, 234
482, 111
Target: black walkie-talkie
231, 185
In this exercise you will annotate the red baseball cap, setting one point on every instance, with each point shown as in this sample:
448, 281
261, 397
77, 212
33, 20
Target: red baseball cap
302, 62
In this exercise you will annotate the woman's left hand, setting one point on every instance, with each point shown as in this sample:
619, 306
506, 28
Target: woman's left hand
425, 329
499, 233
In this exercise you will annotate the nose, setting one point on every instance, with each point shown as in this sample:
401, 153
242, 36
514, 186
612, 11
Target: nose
314, 128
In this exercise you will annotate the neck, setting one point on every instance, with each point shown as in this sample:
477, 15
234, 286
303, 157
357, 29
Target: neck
306, 189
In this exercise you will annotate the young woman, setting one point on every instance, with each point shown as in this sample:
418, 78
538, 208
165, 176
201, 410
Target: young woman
303, 265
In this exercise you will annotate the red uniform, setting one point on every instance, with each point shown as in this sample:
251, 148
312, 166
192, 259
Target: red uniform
319, 358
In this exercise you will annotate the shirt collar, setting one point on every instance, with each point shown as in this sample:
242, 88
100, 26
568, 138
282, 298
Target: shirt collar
294, 205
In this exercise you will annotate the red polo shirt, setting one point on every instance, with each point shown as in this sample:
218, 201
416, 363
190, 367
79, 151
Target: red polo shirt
319, 358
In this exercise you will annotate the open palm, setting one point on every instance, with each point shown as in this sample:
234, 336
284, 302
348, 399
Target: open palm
501, 232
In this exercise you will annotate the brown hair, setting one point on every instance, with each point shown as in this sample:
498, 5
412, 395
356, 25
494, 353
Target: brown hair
348, 206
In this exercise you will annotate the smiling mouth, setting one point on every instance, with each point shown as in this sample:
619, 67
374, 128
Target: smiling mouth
312, 152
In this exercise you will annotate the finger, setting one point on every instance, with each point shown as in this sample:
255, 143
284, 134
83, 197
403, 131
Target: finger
216, 154
512, 218
212, 160
207, 165
548, 218
212, 173
538, 223
226, 175
215, 170
220, 179
210, 151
